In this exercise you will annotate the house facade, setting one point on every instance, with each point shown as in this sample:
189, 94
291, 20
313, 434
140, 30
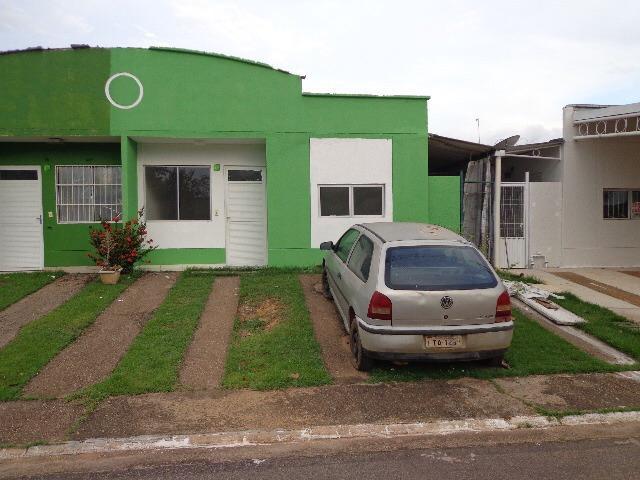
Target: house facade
231, 161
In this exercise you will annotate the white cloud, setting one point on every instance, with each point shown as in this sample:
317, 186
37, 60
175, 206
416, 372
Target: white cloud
512, 64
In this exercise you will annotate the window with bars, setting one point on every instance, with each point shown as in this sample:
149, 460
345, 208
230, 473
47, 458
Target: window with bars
620, 204
512, 211
87, 194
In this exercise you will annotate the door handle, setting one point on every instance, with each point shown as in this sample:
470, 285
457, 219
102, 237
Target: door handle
39, 218
339, 275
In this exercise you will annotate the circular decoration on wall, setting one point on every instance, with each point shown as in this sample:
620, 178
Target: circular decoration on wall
119, 105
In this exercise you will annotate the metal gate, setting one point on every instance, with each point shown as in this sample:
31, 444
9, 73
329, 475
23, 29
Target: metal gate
512, 244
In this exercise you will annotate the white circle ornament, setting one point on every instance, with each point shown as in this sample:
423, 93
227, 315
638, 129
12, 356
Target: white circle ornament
119, 105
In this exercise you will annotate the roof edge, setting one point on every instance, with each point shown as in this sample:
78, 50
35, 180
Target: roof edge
365, 95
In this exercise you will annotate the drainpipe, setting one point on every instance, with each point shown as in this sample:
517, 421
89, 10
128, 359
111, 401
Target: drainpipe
497, 183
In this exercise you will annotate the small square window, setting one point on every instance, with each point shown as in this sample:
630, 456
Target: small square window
635, 204
178, 193
334, 201
367, 200
616, 204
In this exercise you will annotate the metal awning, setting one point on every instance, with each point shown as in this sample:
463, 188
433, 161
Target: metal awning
450, 155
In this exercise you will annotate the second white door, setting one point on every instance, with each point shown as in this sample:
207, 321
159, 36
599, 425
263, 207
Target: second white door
246, 213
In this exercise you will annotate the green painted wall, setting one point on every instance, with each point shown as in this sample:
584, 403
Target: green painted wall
186, 256
444, 202
193, 95
64, 244
54, 93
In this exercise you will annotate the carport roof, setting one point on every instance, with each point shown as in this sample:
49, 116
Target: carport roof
448, 154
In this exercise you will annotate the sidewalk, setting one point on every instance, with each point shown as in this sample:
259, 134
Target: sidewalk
219, 410
614, 278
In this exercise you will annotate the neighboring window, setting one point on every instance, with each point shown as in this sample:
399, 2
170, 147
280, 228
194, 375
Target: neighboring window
244, 175
18, 175
177, 193
437, 267
512, 211
620, 204
88, 193
345, 243
351, 200
360, 259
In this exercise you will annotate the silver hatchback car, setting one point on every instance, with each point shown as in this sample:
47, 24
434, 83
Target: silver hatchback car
411, 291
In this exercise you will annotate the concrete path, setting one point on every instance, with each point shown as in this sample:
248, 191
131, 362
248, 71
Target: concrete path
203, 365
330, 333
38, 304
556, 283
99, 349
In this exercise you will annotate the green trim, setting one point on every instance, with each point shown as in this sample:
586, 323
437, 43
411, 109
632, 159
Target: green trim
129, 158
444, 202
294, 257
187, 256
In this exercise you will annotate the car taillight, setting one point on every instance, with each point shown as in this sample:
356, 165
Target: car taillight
503, 308
379, 307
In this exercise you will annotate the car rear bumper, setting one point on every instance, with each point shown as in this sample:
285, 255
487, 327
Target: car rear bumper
481, 341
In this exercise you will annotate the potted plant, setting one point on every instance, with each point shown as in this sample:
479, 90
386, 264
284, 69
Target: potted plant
119, 247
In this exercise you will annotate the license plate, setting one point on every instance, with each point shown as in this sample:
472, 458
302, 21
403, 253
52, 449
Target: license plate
443, 341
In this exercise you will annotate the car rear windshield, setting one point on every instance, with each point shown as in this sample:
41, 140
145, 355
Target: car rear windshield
437, 267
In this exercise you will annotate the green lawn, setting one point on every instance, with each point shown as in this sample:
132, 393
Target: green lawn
153, 361
14, 286
518, 277
604, 324
273, 355
39, 341
534, 351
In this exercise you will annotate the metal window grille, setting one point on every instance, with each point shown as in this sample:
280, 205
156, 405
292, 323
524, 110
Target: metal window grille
615, 204
86, 194
512, 211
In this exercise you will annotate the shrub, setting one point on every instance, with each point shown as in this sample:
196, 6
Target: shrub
120, 245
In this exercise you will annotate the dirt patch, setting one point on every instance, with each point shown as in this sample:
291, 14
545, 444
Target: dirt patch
25, 422
203, 365
39, 303
575, 392
224, 410
97, 351
327, 325
268, 312
614, 292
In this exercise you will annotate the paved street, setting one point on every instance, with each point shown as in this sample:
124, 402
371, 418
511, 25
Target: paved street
585, 459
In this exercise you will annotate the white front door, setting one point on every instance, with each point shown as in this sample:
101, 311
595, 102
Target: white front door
21, 243
246, 212
512, 244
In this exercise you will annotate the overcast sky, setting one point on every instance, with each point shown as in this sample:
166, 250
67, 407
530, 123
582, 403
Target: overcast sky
511, 64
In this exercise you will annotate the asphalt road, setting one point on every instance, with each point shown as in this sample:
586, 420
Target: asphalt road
586, 459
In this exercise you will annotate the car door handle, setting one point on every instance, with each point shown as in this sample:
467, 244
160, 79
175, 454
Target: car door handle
339, 275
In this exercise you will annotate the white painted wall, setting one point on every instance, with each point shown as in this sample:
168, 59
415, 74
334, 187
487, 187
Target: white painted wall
545, 221
588, 167
353, 161
196, 233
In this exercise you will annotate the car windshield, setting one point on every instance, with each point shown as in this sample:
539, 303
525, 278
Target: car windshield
437, 267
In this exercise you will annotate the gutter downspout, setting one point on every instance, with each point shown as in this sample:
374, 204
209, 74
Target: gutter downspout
497, 184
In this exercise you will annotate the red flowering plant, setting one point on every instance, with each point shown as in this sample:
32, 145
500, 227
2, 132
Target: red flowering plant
120, 246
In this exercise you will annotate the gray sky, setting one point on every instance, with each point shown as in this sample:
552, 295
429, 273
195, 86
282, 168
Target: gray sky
512, 64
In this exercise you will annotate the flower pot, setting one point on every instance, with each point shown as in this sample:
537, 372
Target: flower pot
109, 277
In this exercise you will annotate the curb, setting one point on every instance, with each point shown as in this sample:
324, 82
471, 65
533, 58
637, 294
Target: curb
281, 436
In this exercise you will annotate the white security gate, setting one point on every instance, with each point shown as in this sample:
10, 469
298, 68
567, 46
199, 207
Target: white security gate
246, 213
21, 243
512, 245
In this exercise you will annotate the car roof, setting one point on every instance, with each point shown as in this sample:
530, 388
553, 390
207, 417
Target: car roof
399, 231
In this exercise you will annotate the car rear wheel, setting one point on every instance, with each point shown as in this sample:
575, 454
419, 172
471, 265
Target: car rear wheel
325, 284
359, 358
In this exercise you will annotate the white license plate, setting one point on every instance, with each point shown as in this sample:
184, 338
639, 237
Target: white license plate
444, 341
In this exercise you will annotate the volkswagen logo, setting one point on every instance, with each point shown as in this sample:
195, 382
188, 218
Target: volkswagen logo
446, 302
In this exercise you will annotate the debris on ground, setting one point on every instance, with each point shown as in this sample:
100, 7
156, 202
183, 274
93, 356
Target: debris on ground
539, 300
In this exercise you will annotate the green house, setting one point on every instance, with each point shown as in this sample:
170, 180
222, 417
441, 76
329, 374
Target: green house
233, 163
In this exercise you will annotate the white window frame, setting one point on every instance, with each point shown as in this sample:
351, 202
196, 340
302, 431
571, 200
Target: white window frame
58, 184
351, 186
178, 167
630, 215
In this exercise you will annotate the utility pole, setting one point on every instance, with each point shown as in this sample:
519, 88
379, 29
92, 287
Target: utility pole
478, 124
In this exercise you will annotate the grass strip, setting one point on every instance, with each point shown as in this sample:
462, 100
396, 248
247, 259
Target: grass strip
278, 352
14, 286
518, 277
153, 361
604, 324
39, 341
534, 351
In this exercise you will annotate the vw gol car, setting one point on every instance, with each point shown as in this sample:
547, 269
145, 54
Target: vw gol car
411, 291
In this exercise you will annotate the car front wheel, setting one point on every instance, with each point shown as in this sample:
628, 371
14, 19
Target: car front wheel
359, 358
325, 284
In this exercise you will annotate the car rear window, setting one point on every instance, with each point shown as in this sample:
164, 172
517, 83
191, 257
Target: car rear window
437, 267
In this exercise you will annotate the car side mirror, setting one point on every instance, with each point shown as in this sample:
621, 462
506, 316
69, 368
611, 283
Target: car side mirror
326, 245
